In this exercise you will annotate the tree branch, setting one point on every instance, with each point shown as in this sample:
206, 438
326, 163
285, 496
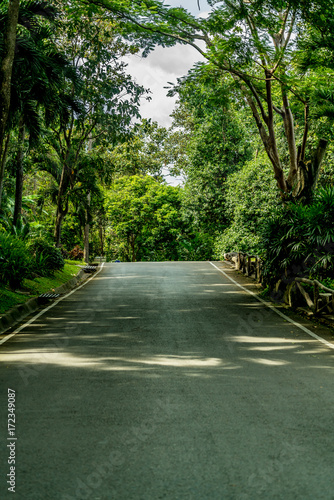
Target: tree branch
170, 35
258, 100
278, 110
286, 42
305, 135
290, 135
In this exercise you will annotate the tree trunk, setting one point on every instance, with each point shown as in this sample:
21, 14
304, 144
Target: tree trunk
132, 244
290, 137
57, 232
87, 227
19, 174
101, 234
3, 165
61, 210
7, 66
86, 231
267, 136
86, 243
308, 174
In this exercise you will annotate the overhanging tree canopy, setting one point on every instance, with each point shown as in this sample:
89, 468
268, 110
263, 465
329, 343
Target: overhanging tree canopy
256, 42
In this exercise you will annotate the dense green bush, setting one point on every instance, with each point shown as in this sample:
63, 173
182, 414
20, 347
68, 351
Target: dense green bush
71, 231
196, 246
298, 240
251, 196
236, 239
16, 262
145, 219
48, 259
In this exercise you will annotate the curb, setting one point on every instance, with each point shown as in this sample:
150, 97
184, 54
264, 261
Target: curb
301, 312
20, 312
277, 311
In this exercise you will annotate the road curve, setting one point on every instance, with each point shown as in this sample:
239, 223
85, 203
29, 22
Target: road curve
167, 381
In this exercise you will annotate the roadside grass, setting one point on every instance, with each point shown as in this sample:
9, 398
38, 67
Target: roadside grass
33, 288
9, 299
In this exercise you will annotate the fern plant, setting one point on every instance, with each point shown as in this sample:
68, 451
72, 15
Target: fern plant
16, 262
299, 240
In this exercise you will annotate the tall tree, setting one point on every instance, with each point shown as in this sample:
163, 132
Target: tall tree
7, 51
108, 97
211, 138
39, 69
36, 77
255, 42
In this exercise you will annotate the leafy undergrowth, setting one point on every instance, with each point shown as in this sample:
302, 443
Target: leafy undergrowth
265, 293
329, 282
35, 287
10, 299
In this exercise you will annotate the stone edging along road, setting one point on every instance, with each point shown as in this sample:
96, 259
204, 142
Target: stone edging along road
20, 312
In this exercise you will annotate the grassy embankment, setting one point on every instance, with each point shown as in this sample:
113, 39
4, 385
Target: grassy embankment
33, 288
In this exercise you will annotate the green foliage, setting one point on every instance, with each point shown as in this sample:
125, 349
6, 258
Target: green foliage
236, 239
92, 141
250, 199
42, 284
258, 45
195, 246
16, 262
109, 99
144, 152
213, 143
145, 219
326, 177
21, 229
72, 229
9, 299
36, 286
39, 68
299, 240
48, 259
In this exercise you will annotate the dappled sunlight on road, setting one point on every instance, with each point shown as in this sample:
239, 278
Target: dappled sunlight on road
61, 357
267, 362
189, 324
85, 355
177, 361
272, 340
273, 348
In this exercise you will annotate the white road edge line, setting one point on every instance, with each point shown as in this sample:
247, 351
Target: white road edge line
18, 330
298, 325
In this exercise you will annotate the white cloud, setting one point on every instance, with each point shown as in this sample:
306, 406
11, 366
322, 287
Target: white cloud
154, 72
204, 15
165, 65
190, 5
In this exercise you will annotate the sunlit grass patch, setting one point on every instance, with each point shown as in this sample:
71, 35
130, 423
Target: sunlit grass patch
35, 287
75, 262
9, 299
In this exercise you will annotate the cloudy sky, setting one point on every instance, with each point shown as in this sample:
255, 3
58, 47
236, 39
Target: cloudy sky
165, 65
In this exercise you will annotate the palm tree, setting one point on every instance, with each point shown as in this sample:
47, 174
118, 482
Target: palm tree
38, 74
8, 20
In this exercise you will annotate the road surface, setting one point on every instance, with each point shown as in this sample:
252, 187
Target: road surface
166, 381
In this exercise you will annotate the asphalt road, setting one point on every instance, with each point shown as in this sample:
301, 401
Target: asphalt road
167, 381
